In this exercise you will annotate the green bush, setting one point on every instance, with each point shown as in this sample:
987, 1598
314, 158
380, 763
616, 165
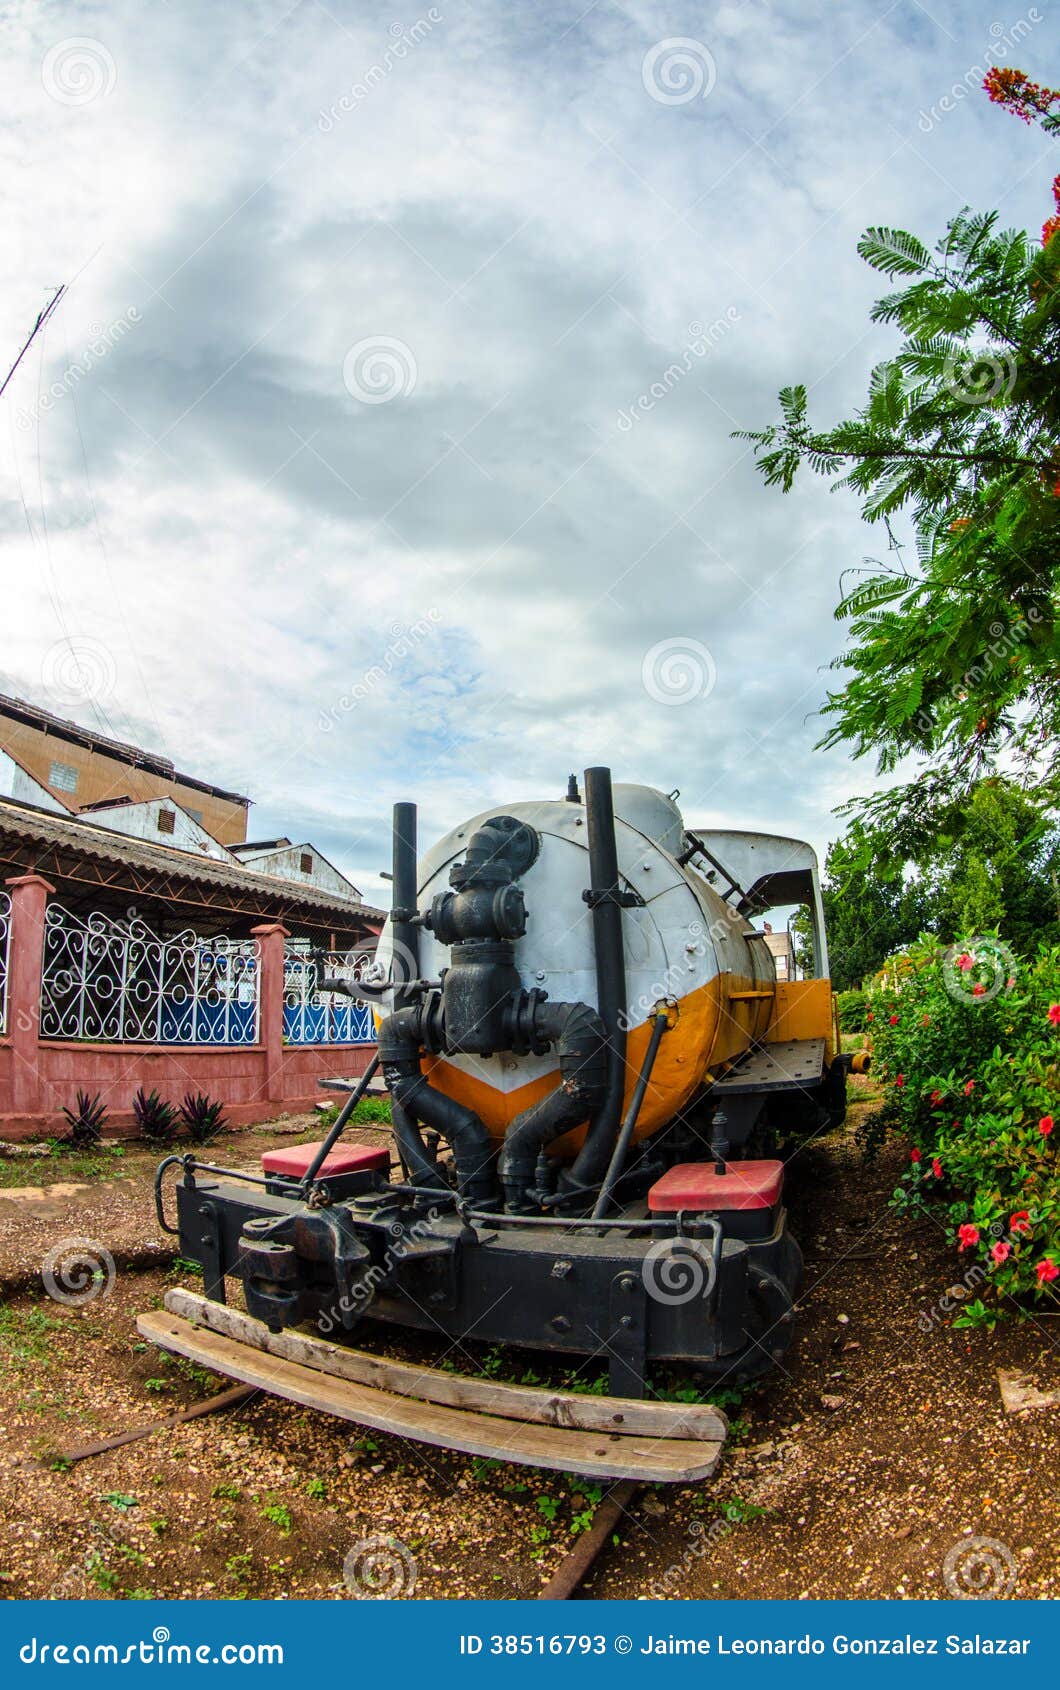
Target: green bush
853, 1007
967, 1042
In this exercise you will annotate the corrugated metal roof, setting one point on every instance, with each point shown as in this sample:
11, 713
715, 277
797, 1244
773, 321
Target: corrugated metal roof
88, 838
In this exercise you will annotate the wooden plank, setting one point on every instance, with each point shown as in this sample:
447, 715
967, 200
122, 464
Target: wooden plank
454, 1390
590, 1454
573, 1568
213, 1405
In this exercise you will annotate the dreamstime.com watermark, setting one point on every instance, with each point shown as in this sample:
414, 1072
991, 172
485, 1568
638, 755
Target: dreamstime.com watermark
77, 1271
79, 670
102, 343
159, 1651
678, 1270
77, 71
678, 70
703, 1539
980, 1569
1002, 41
1004, 638
378, 1569
678, 671
979, 375
730, 925
403, 641
361, 1293
378, 369
701, 341
929, 1320
979, 970
402, 40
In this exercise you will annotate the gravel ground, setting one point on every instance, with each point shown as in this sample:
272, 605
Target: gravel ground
878, 1451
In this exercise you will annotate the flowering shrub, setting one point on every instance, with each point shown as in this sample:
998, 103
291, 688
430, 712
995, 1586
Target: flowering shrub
970, 1058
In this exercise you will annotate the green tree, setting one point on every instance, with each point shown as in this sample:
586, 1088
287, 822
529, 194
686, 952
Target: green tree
993, 864
869, 912
953, 660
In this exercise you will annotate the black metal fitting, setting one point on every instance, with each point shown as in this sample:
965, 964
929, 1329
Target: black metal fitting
580, 1041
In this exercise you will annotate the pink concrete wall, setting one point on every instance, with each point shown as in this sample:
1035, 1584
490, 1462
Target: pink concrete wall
254, 1082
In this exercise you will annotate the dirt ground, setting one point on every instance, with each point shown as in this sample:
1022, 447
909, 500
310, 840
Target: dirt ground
868, 1465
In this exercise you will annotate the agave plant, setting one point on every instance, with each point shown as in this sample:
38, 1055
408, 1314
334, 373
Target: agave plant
86, 1121
156, 1119
202, 1117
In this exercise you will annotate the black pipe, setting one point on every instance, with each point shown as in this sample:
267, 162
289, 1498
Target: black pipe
621, 1150
606, 900
405, 966
418, 1102
578, 1034
411, 1150
339, 1123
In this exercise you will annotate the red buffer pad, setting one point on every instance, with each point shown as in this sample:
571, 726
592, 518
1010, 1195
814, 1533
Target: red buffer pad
698, 1186
292, 1161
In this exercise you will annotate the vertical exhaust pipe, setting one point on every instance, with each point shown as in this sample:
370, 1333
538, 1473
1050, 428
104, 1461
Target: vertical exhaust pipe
606, 902
405, 967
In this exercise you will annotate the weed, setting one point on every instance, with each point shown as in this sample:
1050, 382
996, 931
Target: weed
278, 1514
24, 1337
99, 1572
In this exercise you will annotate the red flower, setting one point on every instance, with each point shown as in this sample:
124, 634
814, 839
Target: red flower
916, 1155
870, 1016
968, 1235
936, 1168
1021, 1223
978, 991
925, 1021
1045, 1125
935, 1099
899, 1080
1011, 981
1001, 1252
969, 1088
1047, 1271
1054, 1014
894, 1020
964, 962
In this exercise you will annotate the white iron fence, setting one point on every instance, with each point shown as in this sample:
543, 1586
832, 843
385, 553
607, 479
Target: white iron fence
5, 936
116, 981
315, 1017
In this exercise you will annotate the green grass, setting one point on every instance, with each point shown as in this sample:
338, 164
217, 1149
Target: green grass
64, 1166
24, 1338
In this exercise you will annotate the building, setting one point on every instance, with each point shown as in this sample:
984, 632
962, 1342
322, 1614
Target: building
59, 767
143, 943
81, 769
303, 863
782, 949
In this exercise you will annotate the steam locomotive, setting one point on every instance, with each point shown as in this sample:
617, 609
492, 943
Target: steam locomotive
591, 1064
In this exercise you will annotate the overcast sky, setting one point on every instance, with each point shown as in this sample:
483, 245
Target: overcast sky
338, 475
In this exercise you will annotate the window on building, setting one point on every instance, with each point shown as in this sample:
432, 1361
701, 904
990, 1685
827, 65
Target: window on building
306, 862
64, 777
167, 821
